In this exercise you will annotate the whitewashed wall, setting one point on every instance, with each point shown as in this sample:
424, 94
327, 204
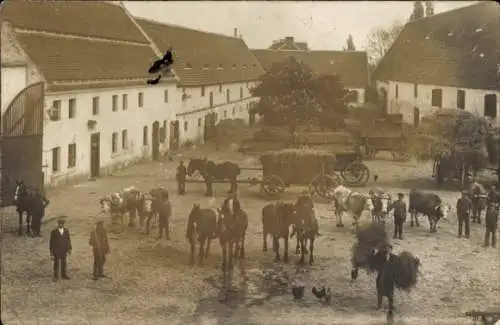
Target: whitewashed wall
406, 100
66, 131
195, 107
14, 79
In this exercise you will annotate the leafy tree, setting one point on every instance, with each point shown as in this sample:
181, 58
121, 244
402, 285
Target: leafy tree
418, 10
291, 94
350, 44
429, 8
379, 40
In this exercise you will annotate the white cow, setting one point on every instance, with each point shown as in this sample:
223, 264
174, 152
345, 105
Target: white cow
349, 201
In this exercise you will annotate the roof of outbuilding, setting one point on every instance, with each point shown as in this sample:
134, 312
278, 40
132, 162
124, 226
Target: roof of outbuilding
81, 44
459, 48
81, 18
202, 58
351, 67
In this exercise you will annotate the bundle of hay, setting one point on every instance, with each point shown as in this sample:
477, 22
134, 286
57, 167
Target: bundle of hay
232, 131
272, 133
406, 271
326, 138
369, 237
297, 166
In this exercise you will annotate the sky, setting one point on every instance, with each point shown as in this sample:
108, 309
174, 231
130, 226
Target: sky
323, 25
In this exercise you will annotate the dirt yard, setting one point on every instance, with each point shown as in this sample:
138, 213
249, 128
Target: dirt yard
149, 282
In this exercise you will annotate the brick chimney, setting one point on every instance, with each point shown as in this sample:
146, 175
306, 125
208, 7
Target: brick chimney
289, 40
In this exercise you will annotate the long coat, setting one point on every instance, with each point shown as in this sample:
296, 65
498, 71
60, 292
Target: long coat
60, 245
99, 241
385, 274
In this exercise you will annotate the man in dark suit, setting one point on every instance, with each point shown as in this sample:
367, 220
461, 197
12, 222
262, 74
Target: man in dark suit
100, 247
60, 248
384, 261
231, 206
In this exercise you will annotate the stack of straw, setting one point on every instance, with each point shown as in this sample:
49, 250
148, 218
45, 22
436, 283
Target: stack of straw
297, 166
369, 237
406, 271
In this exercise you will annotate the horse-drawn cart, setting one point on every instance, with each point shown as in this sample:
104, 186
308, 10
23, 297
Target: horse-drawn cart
395, 144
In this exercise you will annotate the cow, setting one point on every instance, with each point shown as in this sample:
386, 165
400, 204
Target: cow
479, 197
428, 204
112, 205
349, 201
305, 226
381, 200
276, 221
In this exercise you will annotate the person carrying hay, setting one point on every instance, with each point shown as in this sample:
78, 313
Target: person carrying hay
385, 262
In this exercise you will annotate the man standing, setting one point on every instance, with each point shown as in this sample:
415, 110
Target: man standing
399, 215
491, 225
100, 247
37, 207
231, 206
181, 178
464, 206
60, 248
385, 275
164, 214
492, 195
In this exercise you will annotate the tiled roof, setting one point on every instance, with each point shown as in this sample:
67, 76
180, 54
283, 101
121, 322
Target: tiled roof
288, 43
82, 18
63, 59
80, 45
209, 58
458, 48
351, 67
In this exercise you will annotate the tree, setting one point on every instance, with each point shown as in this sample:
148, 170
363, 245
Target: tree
350, 44
429, 8
291, 94
418, 10
379, 41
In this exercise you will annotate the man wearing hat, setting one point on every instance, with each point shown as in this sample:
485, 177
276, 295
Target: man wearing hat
491, 222
399, 207
385, 275
464, 207
60, 248
100, 247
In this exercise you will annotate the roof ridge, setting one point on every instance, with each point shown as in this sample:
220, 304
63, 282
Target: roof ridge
183, 27
451, 11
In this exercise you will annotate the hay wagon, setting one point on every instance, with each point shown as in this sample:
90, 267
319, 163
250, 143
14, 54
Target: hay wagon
396, 144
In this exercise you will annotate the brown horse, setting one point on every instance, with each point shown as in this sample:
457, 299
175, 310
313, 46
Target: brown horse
305, 226
201, 228
276, 221
231, 230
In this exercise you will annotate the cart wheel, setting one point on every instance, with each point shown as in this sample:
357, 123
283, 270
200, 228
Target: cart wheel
323, 185
356, 174
272, 185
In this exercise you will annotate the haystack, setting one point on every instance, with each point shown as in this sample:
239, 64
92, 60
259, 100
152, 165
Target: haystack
406, 271
299, 166
369, 237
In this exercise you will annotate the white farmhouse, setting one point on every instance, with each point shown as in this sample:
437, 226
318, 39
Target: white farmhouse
216, 75
449, 60
350, 66
93, 58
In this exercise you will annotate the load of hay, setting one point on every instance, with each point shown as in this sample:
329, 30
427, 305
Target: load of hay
297, 166
369, 237
406, 270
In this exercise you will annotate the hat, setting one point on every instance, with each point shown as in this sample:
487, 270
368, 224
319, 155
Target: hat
465, 192
400, 194
61, 219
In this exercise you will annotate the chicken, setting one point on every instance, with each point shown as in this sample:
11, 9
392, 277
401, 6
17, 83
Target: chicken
324, 293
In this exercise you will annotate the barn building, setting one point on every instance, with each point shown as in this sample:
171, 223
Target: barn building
350, 66
449, 60
92, 58
216, 73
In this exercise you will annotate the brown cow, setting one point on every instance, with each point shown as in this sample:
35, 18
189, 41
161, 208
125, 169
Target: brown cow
276, 221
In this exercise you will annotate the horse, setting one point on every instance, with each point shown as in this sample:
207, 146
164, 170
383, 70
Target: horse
210, 170
231, 230
305, 226
349, 201
276, 221
146, 212
201, 228
22, 200
113, 205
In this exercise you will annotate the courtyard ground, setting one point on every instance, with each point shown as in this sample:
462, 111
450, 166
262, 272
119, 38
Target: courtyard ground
150, 282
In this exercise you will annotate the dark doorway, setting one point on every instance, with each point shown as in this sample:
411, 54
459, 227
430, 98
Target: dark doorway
155, 142
490, 105
416, 116
209, 127
174, 135
384, 108
95, 154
